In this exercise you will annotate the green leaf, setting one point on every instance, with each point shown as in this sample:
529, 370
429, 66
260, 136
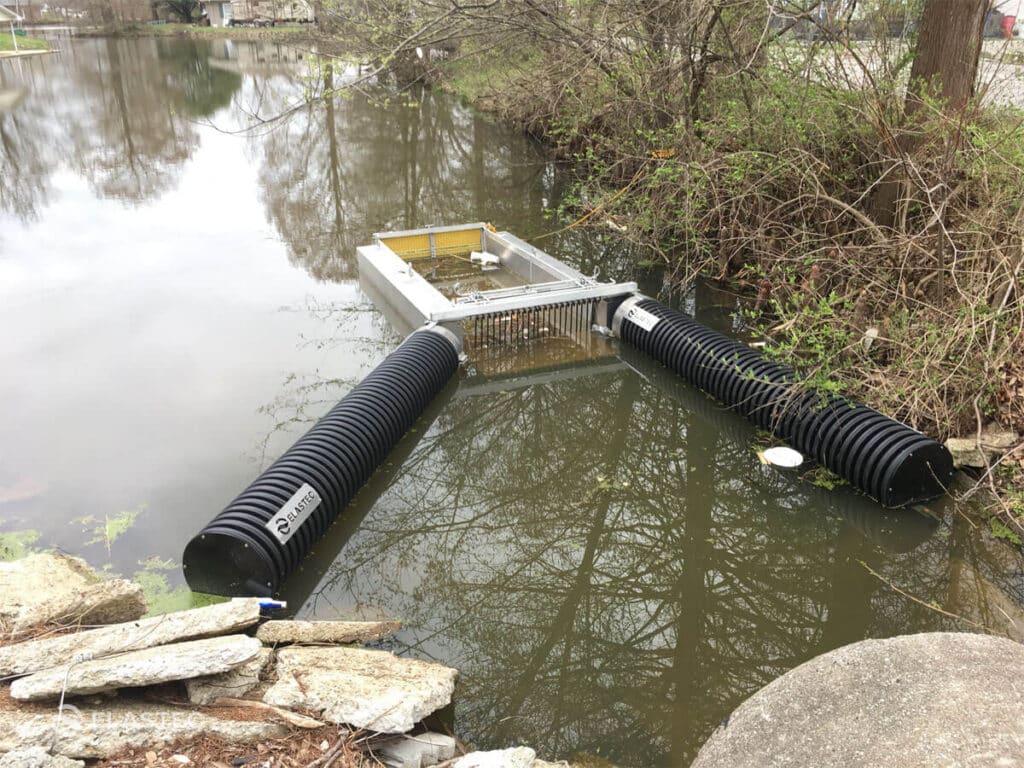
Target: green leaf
1002, 531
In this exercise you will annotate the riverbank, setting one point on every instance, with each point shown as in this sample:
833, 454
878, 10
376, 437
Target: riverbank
95, 678
89, 676
292, 33
26, 45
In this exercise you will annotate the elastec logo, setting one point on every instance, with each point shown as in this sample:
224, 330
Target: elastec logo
642, 317
293, 513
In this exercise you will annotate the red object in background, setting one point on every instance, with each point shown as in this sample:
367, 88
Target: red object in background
1008, 22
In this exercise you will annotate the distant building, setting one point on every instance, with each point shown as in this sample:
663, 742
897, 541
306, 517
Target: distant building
297, 10
220, 12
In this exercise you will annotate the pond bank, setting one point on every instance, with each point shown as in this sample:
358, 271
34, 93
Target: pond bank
226, 685
19, 54
295, 33
27, 46
206, 685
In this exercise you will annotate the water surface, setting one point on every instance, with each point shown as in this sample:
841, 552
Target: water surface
596, 547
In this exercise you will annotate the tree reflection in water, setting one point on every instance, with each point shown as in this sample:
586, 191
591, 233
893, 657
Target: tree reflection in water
611, 568
331, 177
117, 112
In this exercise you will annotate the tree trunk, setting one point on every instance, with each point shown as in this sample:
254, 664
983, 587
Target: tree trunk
945, 67
948, 48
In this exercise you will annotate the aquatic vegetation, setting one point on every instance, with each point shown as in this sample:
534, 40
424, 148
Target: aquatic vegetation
162, 598
16, 544
1002, 531
112, 527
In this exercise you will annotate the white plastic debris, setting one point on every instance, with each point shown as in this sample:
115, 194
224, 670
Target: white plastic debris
781, 456
484, 259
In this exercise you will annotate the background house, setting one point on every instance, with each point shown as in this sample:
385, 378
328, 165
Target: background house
219, 11
299, 10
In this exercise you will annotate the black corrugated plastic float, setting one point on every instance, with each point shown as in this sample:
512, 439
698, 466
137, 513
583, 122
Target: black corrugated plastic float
886, 459
258, 539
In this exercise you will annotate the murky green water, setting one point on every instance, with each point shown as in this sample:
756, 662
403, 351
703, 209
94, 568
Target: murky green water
596, 547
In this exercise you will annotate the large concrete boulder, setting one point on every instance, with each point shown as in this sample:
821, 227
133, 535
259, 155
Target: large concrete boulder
97, 731
150, 666
53, 588
936, 699
375, 690
219, 619
279, 632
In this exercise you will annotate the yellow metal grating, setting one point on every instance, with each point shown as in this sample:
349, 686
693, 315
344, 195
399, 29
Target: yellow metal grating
425, 246
408, 244
460, 241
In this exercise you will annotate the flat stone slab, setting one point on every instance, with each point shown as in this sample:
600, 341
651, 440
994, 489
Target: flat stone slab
150, 666
934, 699
972, 452
232, 684
219, 619
97, 731
375, 690
52, 588
275, 632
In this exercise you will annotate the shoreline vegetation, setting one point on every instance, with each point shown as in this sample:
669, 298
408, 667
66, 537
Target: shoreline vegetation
25, 44
285, 33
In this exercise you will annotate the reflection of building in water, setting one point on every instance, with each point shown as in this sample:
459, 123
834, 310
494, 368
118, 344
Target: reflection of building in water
255, 58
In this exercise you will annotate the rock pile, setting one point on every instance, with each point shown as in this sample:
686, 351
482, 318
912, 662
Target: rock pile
144, 683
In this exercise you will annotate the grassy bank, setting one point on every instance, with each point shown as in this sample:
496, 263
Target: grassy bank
769, 185
291, 33
24, 43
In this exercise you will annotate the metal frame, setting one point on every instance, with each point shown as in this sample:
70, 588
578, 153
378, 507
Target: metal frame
391, 278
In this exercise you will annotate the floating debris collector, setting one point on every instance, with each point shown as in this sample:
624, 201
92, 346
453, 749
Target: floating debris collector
474, 295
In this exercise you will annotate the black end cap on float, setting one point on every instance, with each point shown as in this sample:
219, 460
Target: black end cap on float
918, 475
221, 564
